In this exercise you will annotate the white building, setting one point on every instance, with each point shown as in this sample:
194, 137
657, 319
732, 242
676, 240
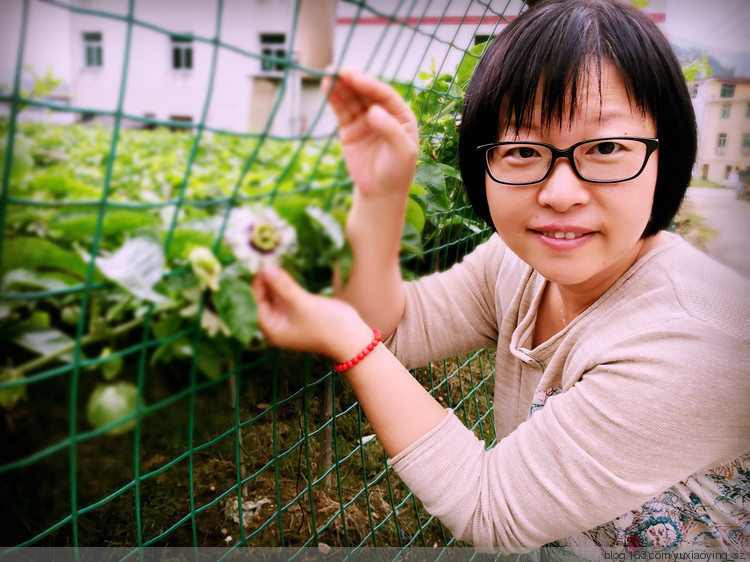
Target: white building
175, 73
722, 110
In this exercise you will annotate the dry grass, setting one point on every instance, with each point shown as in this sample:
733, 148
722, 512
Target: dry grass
692, 227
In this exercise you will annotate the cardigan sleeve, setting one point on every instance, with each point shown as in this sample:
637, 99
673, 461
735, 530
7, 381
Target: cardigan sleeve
626, 431
459, 310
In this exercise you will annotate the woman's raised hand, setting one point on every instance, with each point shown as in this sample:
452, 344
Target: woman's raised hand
378, 132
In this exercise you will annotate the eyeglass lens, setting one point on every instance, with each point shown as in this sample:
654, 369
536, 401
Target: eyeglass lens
608, 160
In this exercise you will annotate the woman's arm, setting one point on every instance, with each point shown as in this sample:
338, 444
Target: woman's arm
378, 133
399, 409
636, 423
656, 411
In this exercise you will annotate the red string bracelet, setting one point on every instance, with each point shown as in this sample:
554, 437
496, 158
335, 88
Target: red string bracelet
340, 367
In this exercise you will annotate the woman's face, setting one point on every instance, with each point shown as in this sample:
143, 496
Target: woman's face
606, 220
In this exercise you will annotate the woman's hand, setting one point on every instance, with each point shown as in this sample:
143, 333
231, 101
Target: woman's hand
398, 408
378, 132
292, 318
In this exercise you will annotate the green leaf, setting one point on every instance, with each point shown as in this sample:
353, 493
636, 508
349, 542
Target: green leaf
32, 253
181, 348
411, 241
185, 239
21, 162
291, 208
236, 307
345, 263
166, 326
415, 215
210, 360
61, 186
430, 176
327, 224
468, 63
449, 170
23, 279
11, 394
81, 224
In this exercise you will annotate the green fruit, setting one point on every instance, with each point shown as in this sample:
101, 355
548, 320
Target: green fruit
111, 402
110, 369
70, 314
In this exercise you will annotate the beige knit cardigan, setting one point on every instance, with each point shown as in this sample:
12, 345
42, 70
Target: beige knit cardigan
646, 392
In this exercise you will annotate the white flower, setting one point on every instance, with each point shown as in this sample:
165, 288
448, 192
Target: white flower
210, 321
258, 237
137, 266
206, 267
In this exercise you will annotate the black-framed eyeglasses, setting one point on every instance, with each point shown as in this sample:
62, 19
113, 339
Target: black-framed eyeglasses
605, 160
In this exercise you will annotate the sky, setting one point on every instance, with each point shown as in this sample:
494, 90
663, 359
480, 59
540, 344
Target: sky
721, 27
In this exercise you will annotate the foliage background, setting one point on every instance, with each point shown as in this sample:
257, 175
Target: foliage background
126, 421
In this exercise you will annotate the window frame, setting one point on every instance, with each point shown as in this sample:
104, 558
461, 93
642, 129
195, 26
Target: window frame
273, 45
93, 49
721, 143
727, 90
726, 110
181, 52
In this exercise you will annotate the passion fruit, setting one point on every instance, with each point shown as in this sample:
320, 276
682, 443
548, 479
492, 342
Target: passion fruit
111, 402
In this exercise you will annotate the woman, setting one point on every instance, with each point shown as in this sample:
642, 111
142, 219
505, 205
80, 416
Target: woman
621, 389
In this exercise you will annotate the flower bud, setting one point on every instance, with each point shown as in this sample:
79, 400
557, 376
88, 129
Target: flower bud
206, 267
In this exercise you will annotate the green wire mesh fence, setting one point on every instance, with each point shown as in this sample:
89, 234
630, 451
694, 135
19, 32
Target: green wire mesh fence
221, 444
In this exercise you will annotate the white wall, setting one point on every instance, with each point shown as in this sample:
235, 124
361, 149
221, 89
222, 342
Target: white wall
54, 39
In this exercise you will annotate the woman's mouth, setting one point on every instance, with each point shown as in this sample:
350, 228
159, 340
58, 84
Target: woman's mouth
561, 235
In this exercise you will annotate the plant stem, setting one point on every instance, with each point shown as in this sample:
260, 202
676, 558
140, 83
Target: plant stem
91, 338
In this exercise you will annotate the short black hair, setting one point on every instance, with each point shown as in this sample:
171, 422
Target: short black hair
553, 45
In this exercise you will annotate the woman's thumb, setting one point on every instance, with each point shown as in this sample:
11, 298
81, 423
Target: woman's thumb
388, 126
282, 284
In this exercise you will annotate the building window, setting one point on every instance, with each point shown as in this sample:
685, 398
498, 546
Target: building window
747, 112
746, 143
721, 143
180, 119
273, 45
182, 52
726, 110
92, 50
727, 91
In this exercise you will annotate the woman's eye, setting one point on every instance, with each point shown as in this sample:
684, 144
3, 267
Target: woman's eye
523, 152
605, 148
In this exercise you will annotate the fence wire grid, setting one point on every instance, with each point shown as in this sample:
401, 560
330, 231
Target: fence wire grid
270, 450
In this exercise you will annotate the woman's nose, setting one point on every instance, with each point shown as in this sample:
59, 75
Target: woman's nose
563, 189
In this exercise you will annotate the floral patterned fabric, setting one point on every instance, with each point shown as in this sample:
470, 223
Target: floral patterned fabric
708, 510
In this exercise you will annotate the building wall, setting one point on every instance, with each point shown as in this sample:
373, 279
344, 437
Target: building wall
713, 162
421, 34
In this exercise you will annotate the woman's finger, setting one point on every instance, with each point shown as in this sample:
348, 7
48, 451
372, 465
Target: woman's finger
372, 91
392, 131
346, 103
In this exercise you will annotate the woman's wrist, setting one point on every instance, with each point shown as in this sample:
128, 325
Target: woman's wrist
375, 223
351, 342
